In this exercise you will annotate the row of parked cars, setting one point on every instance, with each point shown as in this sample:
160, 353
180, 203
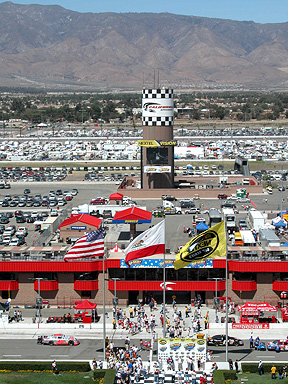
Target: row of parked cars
12, 236
26, 200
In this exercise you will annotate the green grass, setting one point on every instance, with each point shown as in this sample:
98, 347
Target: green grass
46, 378
255, 378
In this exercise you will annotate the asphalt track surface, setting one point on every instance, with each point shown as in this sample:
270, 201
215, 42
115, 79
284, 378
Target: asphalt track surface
28, 349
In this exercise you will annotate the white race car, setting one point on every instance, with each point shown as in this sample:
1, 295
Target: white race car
58, 339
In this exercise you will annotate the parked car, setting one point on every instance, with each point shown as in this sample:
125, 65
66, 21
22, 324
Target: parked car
222, 196
221, 340
192, 211
283, 345
169, 198
261, 346
187, 204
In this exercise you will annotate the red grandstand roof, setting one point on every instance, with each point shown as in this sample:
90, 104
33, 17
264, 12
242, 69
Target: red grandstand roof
132, 215
82, 218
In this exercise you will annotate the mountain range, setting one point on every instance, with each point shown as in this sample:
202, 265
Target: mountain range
49, 47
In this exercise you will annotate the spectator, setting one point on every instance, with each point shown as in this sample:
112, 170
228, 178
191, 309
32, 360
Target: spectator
251, 342
54, 368
94, 364
236, 366
193, 375
260, 368
273, 372
280, 373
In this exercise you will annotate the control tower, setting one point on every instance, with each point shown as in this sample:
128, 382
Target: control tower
157, 146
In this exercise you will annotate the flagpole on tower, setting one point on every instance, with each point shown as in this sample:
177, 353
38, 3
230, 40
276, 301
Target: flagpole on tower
164, 295
226, 288
104, 306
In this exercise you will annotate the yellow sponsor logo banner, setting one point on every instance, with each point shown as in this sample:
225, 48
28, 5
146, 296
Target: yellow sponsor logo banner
148, 143
156, 143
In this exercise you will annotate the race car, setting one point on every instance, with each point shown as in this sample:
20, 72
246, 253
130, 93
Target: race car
283, 345
261, 346
221, 340
58, 339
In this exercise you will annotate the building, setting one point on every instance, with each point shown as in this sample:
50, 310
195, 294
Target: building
257, 275
77, 225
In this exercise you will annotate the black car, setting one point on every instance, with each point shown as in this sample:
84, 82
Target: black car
2, 229
20, 219
4, 220
27, 191
169, 198
227, 204
30, 219
221, 340
187, 204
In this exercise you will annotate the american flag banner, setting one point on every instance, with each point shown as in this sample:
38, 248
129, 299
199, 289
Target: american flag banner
89, 245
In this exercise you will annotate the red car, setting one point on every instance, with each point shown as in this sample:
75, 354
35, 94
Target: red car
222, 196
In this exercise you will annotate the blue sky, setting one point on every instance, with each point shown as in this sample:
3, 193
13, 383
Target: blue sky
260, 11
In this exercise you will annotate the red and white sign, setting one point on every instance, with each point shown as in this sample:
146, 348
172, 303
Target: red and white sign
250, 326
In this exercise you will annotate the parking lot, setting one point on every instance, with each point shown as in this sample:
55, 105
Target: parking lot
175, 224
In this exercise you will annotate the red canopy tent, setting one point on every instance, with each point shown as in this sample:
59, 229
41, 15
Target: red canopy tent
86, 305
132, 216
117, 197
262, 307
82, 314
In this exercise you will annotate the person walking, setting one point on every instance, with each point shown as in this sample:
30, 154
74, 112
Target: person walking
251, 342
273, 372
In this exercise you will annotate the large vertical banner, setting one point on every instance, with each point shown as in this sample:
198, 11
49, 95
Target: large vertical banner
182, 348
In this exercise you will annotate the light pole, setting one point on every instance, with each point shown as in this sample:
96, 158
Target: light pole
39, 299
115, 292
216, 296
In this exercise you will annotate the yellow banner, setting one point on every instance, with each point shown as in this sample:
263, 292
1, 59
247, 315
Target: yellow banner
148, 143
208, 244
156, 143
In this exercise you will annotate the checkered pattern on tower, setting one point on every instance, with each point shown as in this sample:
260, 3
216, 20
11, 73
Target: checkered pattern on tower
157, 94
158, 121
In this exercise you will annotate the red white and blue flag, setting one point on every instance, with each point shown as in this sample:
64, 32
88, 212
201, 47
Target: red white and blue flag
149, 243
89, 245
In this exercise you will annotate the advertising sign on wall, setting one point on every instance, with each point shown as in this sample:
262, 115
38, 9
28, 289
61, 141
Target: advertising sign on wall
157, 169
159, 263
157, 107
78, 227
250, 326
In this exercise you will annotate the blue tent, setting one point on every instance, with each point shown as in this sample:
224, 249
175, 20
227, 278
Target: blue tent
201, 227
284, 245
280, 224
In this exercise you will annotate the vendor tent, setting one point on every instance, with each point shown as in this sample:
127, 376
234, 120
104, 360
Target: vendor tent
117, 197
116, 248
201, 227
263, 307
86, 305
280, 224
